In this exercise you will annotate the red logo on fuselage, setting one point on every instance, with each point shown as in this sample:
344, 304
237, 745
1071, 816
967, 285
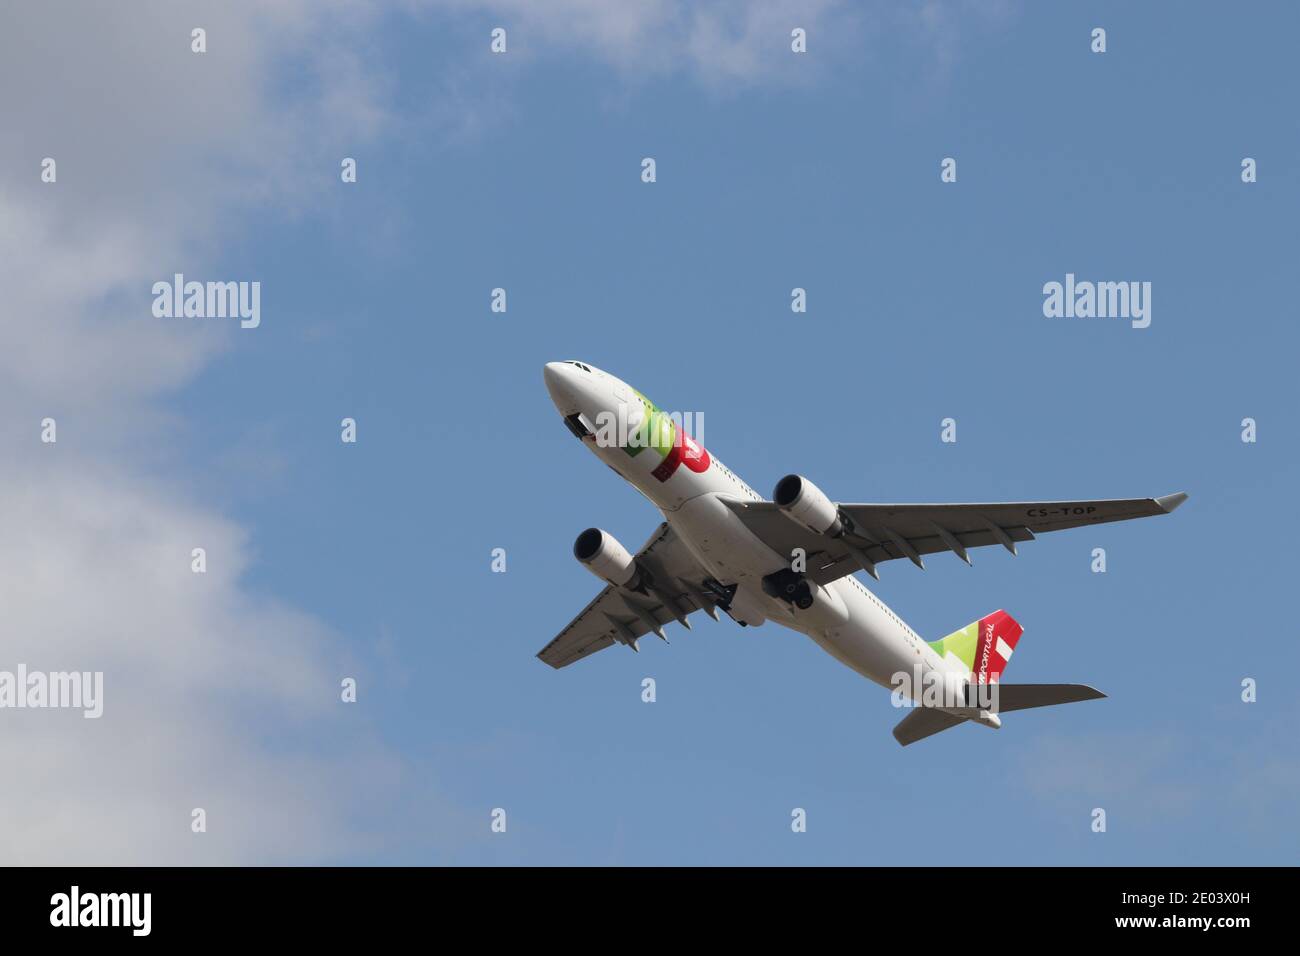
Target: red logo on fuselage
686, 450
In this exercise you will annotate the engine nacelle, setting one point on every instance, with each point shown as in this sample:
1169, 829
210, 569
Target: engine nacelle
602, 554
804, 503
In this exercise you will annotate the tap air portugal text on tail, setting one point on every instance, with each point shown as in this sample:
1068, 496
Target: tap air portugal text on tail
722, 546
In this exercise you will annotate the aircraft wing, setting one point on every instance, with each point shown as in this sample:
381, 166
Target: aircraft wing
886, 532
621, 615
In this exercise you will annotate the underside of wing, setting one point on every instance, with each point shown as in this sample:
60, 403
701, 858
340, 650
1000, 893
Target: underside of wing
586, 634
669, 589
869, 533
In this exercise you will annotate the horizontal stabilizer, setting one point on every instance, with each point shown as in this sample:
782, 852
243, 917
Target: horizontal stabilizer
1024, 696
923, 722
927, 721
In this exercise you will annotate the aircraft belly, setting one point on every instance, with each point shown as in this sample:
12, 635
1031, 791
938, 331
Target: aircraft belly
862, 636
720, 541
869, 642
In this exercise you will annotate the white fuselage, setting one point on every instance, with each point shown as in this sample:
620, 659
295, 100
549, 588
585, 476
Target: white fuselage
847, 620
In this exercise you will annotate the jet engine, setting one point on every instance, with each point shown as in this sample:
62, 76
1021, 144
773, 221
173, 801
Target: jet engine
602, 554
806, 505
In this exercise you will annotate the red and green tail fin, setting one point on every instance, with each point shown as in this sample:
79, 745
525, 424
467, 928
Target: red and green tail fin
984, 647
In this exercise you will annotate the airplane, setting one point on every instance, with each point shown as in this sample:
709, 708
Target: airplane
792, 560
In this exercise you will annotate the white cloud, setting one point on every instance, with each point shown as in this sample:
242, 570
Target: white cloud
730, 46
726, 45
197, 674
1151, 777
163, 156
212, 698
1102, 770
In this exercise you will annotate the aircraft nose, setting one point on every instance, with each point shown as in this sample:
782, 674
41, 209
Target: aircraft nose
558, 377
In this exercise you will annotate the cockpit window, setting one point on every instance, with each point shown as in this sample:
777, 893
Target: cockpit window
580, 365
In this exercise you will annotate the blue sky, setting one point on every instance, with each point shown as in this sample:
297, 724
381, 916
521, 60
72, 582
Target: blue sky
924, 302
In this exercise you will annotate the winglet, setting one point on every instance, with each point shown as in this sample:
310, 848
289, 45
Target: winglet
1169, 502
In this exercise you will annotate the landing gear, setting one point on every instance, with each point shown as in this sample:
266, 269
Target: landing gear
790, 587
742, 606
723, 594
